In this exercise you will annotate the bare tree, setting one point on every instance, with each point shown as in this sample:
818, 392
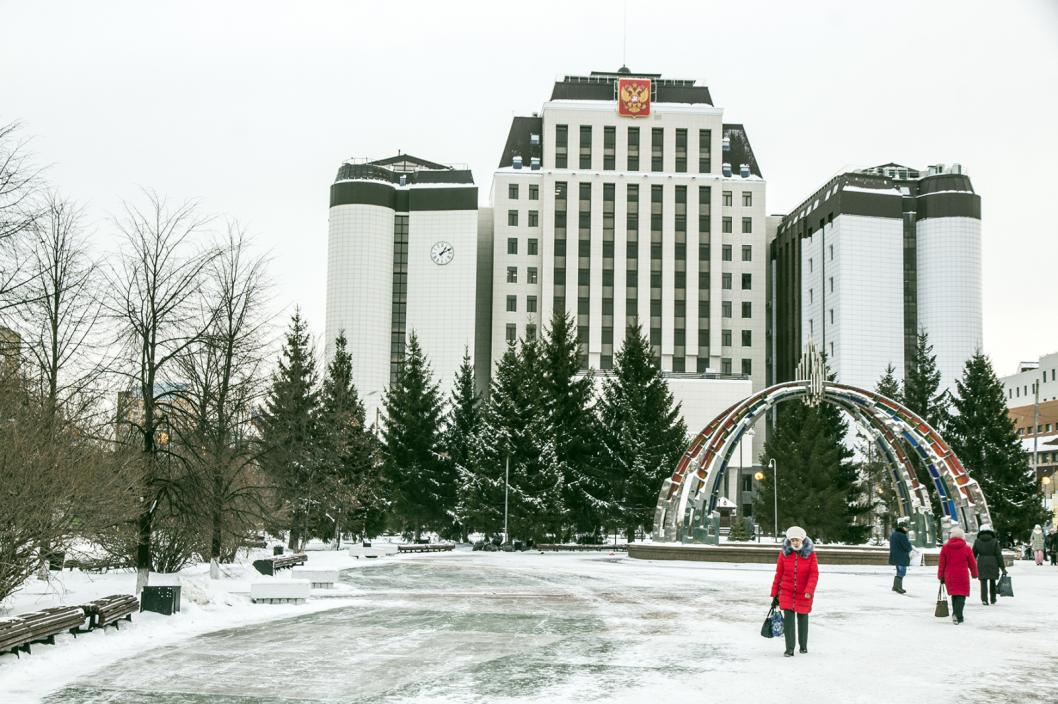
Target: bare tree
156, 299
19, 181
223, 372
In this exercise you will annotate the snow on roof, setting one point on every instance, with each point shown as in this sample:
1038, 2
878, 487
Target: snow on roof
861, 189
1040, 442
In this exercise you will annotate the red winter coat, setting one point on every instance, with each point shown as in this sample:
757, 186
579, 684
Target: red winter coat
796, 574
957, 565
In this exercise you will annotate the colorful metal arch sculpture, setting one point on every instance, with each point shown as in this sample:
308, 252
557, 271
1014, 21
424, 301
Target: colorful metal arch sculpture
691, 494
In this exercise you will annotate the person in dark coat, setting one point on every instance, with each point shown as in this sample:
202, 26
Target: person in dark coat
989, 555
956, 566
1052, 547
794, 586
900, 554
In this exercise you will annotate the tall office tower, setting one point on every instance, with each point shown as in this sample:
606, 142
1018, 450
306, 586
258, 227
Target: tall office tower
869, 259
627, 198
402, 257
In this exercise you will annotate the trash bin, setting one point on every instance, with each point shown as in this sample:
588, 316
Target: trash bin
277, 550
161, 600
55, 561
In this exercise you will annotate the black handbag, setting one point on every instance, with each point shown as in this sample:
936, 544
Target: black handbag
1005, 586
765, 630
942, 603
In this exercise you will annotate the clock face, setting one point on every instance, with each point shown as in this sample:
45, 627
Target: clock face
442, 252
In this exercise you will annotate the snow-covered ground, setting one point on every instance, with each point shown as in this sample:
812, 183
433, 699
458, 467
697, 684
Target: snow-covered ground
502, 627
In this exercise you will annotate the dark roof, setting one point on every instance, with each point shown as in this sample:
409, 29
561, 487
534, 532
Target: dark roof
600, 85
408, 158
379, 170
518, 141
740, 151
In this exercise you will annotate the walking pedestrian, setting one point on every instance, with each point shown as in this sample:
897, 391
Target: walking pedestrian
957, 565
1036, 543
900, 553
1052, 545
794, 586
989, 556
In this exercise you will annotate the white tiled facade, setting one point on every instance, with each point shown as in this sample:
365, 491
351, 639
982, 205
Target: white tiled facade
1019, 388
851, 298
949, 291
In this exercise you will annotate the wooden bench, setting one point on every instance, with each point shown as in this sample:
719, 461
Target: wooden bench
271, 565
110, 610
319, 579
280, 592
425, 547
572, 547
19, 633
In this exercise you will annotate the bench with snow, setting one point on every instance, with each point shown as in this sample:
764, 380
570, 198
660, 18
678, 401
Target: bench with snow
271, 565
280, 592
110, 610
19, 633
319, 579
425, 547
359, 551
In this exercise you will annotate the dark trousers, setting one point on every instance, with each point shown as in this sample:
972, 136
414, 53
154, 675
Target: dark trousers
1054, 557
788, 629
957, 604
988, 591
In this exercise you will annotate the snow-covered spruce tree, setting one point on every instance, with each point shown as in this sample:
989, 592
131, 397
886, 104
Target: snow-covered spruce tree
880, 491
818, 484
412, 438
983, 437
641, 431
568, 402
290, 433
349, 465
461, 423
889, 385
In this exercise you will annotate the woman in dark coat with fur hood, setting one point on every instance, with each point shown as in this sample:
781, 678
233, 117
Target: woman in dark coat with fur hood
990, 563
794, 586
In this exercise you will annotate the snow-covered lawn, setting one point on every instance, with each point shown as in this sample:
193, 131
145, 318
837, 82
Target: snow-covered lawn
502, 627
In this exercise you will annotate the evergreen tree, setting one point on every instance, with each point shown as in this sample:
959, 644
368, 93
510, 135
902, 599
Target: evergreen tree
351, 477
818, 485
983, 437
889, 385
290, 434
412, 437
642, 433
876, 471
567, 395
922, 393
461, 424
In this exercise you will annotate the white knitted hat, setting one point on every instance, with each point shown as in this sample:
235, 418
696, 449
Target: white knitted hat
957, 532
796, 532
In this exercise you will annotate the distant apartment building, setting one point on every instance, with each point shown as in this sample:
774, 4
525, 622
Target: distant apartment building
869, 259
1032, 404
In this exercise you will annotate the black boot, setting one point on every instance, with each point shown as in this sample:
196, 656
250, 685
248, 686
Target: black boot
898, 585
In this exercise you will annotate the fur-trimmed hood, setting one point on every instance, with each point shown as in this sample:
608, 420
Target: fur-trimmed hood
807, 547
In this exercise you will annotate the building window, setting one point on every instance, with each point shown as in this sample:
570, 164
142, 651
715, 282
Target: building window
530, 304
725, 338
747, 199
725, 281
725, 252
725, 309
512, 218
633, 149
512, 274
534, 192
530, 275
534, 218
561, 146
512, 245
681, 151
725, 225
811, 265
747, 225
704, 209
747, 252
831, 311
811, 296
585, 146
726, 199
533, 246
609, 148
747, 282
747, 338
725, 366
705, 147
530, 331
512, 304
512, 191
657, 149
830, 247
747, 309
832, 284
512, 332
747, 367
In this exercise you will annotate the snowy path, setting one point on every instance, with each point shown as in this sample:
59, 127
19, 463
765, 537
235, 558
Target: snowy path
496, 627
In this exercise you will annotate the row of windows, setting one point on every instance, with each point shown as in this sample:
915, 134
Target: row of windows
532, 246
1041, 428
1017, 390
531, 276
609, 142
513, 190
512, 304
533, 219
747, 198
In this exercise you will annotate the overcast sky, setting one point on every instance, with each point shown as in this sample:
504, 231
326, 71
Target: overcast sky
250, 107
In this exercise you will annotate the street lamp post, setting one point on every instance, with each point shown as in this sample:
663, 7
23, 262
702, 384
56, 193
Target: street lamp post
506, 487
775, 494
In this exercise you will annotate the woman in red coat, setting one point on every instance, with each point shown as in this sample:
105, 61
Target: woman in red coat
956, 566
796, 574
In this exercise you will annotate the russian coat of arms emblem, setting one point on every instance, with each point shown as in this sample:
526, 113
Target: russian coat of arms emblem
633, 97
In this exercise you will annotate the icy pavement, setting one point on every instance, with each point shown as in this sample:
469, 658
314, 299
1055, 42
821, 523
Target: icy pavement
499, 627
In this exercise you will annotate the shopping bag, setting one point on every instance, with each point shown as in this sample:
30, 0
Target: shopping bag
1006, 586
772, 626
765, 629
942, 604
